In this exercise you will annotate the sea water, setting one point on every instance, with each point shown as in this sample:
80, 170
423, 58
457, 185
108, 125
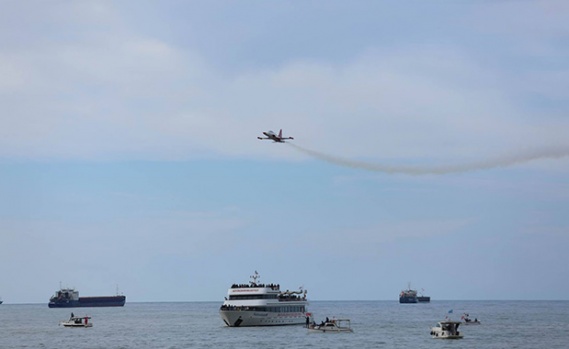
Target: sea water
376, 324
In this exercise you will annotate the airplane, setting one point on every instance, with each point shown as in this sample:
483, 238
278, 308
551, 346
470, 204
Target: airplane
276, 138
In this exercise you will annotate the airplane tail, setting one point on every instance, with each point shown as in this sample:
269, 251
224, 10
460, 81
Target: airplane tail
281, 133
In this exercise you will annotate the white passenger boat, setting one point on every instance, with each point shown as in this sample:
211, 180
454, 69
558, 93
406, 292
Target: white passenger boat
332, 326
77, 321
446, 330
257, 304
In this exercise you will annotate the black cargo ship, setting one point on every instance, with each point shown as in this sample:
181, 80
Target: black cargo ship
410, 296
69, 298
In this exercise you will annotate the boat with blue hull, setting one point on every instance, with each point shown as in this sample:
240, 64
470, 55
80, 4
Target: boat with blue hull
69, 298
408, 296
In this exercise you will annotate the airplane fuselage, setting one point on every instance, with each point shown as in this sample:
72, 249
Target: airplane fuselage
274, 137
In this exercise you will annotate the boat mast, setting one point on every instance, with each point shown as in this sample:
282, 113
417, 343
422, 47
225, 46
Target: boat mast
254, 279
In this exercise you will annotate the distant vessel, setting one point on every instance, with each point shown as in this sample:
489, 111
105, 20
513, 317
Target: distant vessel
332, 326
446, 330
1, 301
257, 304
408, 296
76, 321
468, 321
69, 298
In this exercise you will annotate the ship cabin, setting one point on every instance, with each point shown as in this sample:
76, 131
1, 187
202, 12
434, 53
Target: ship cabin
264, 292
66, 294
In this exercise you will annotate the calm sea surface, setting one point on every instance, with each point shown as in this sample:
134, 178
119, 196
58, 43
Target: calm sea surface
376, 324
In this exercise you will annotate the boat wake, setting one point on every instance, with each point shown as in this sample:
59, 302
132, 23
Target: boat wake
545, 153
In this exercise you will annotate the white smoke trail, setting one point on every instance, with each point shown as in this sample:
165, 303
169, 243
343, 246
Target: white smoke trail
549, 153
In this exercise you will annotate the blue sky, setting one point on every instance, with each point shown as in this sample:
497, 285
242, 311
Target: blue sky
128, 152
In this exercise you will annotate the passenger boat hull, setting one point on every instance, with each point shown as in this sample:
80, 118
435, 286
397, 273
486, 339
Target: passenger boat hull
244, 318
448, 336
77, 325
327, 330
437, 333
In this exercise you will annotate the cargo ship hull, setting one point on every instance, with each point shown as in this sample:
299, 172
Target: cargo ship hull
83, 302
69, 298
408, 299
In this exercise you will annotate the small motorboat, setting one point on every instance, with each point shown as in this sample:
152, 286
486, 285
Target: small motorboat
466, 320
446, 330
77, 321
332, 326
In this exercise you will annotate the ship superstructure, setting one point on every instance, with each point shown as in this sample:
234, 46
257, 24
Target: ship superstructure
408, 296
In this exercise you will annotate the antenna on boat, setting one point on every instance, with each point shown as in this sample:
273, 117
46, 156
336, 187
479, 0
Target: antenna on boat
254, 279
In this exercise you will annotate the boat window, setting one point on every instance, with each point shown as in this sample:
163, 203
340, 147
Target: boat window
259, 296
